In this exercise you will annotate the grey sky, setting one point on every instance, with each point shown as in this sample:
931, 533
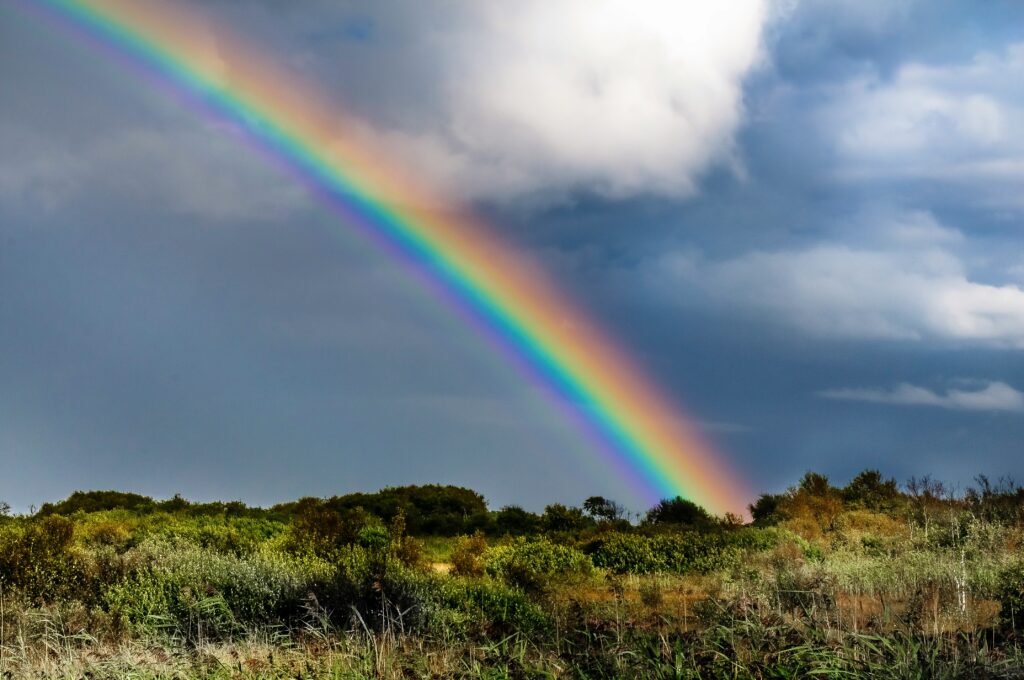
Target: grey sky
803, 217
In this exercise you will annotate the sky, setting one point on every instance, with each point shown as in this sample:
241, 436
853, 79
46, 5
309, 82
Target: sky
801, 218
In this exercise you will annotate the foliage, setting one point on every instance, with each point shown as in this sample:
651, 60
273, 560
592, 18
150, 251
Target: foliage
321, 530
512, 520
531, 563
689, 552
429, 510
94, 501
1011, 596
468, 556
41, 562
767, 509
863, 580
870, 491
191, 592
558, 518
679, 511
601, 508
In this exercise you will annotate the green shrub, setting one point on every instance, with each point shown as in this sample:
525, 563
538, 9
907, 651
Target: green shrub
468, 555
320, 530
41, 562
679, 511
94, 501
1010, 593
191, 591
512, 520
489, 607
627, 553
531, 563
676, 553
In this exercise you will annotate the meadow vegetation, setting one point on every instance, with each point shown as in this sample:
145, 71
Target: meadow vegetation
870, 579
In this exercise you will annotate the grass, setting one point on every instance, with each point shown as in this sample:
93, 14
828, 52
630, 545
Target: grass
438, 549
116, 593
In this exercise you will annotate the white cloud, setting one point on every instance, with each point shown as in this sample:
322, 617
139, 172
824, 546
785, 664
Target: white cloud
908, 285
994, 396
483, 99
606, 95
954, 123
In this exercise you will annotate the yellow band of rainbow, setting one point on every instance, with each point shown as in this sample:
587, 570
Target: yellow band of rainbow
646, 436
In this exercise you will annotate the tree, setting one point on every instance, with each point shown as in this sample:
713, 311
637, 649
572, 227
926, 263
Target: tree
814, 505
815, 484
95, 501
601, 508
431, 509
767, 509
515, 521
928, 496
678, 510
560, 518
870, 491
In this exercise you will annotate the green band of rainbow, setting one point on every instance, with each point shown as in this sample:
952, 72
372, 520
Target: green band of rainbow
648, 439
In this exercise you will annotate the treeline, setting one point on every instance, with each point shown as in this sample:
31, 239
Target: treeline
445, 510
815, 506
426, 510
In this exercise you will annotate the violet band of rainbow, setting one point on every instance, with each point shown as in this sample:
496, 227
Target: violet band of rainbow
639, 432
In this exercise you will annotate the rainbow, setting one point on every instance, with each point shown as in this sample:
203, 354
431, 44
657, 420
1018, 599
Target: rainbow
642, 434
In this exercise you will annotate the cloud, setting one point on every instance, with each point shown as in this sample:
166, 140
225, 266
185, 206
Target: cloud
538, 97
995, 396
906, 284
487, 100
952, 123
192, 169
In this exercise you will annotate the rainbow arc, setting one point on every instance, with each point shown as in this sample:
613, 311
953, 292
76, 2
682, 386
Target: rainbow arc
638, 429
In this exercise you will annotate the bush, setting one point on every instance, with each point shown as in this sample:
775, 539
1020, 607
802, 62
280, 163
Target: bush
675, 553
468, 555
1010, 593
322, 531
489, 607
95, 501
530, 564
558, 518
512, 520
680, 511
40, 561
193, 592
627, 553
429, 510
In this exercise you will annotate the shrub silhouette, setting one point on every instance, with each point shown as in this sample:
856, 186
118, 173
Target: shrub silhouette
512, 520
95, 501
558, 518
680, 511
322, 531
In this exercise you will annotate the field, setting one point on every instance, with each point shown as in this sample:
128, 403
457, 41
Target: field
865, 580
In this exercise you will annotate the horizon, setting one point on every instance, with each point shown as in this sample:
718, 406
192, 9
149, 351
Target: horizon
950, 491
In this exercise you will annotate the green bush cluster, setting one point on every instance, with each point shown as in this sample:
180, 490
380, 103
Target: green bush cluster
531, 562
679, 553
189, 590
40, 560
1010, 593
489, 607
